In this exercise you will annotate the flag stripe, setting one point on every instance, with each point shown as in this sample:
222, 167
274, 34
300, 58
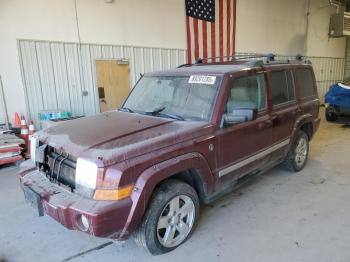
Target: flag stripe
213, 53
200, 38
217, 38
188, 34
221, 33
228, 18
224, 28
233, 39
209, 39
192, 39
196, 44
205, 45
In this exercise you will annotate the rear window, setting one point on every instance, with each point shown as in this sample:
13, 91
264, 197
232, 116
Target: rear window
306, 81
282, 87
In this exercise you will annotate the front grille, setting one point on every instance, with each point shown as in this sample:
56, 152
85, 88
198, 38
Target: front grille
59, 167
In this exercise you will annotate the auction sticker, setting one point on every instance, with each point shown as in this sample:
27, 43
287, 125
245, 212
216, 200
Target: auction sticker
197, 79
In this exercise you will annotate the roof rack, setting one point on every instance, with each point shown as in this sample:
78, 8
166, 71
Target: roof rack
254, 59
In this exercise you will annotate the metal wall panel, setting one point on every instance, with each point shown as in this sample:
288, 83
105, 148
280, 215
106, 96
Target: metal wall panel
347, 59
56, 74
328, 71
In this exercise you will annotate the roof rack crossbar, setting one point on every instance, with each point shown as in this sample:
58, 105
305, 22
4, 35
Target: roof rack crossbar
258, 60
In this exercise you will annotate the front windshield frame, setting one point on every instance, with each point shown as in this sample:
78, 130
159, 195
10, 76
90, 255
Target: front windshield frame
219, 77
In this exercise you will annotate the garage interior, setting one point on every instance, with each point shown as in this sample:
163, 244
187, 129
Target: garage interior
69, 56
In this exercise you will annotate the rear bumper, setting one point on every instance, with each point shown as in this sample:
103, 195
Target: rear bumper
106, 218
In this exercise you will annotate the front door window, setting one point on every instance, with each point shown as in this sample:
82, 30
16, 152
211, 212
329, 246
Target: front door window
248, 93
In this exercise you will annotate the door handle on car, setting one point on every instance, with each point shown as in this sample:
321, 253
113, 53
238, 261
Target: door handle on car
265, 124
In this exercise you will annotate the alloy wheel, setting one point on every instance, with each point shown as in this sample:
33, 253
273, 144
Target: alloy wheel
176, 221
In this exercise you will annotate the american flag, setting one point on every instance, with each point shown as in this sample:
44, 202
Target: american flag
210, 29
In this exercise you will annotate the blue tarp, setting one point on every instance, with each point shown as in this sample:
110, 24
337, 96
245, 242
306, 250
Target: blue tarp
338, 96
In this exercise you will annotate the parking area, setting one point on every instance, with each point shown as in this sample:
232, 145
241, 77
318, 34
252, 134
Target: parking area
278, 216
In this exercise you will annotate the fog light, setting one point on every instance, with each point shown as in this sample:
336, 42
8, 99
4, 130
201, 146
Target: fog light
84, 222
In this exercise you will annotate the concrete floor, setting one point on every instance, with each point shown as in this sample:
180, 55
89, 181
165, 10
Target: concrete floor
278, 216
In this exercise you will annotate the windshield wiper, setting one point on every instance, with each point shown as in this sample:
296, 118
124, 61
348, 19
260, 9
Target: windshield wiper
158, 112
155, 111
172, 116
125, 109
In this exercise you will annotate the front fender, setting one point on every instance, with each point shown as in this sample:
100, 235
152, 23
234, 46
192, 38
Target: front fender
152, 176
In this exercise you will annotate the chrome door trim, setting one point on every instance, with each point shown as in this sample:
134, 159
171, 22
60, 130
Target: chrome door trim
253, 158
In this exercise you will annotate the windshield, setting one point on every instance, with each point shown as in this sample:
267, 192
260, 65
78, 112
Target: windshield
179, 97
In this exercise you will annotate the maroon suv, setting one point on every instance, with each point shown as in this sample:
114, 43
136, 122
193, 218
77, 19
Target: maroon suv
183, 137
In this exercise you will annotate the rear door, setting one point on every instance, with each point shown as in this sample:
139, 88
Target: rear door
284, 108
241, 146
309, 101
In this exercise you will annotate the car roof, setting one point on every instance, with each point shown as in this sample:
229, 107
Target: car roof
220, 69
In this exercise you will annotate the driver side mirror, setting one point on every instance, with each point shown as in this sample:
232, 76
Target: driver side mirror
239, 116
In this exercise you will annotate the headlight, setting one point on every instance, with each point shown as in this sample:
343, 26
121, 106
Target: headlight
86, 174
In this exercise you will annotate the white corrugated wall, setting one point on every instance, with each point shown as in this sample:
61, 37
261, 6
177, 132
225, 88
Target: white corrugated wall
347, 59
55, 74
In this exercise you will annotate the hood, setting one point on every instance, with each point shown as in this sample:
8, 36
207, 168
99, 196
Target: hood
115, 136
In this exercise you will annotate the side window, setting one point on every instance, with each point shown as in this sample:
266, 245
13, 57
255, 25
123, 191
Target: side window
282, 87
306, 81
248, 93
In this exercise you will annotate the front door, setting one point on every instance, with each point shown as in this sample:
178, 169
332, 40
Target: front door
243, 147
113, 83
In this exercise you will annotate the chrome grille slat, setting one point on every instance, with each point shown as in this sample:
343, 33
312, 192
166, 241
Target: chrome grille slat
61, 167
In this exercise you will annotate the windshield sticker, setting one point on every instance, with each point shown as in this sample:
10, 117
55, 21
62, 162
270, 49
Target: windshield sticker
209, 80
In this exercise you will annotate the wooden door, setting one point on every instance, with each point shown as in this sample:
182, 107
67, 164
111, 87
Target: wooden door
113, 83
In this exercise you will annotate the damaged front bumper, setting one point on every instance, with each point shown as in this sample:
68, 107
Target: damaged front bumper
98, 218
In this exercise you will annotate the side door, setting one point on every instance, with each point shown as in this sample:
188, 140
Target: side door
309, 101
241, 146
284, 109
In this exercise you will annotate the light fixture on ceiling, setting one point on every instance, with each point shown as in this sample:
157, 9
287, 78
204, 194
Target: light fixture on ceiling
109, 1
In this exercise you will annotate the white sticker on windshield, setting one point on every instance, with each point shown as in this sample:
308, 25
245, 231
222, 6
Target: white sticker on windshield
209, 80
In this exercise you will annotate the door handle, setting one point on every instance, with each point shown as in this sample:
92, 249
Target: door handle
265, 124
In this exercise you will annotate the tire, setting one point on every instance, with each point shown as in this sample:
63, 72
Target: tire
160, 219
298, 154
330, 116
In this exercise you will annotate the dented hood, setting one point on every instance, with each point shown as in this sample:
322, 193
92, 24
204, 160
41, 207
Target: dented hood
115, 136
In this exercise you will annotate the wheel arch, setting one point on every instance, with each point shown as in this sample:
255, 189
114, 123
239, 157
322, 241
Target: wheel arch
304, 123
191, 168
308, 129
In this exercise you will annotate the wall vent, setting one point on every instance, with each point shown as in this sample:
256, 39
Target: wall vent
340, 24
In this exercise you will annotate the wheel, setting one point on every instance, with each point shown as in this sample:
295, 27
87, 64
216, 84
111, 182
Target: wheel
298, 153
170, 218
330, 116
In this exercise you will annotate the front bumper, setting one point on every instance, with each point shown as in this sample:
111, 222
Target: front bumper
106, 218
